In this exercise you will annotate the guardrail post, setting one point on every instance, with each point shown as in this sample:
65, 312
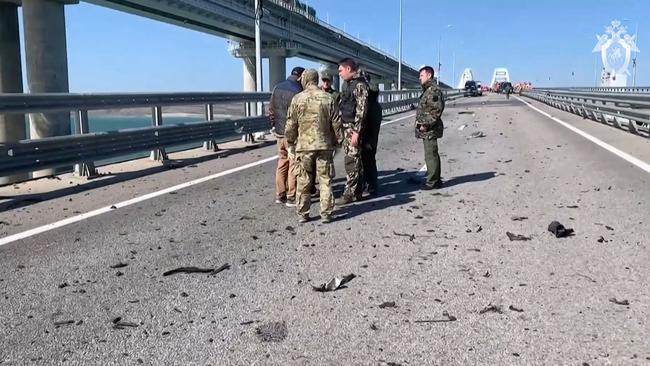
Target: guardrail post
87, 168
209, 116
158, 154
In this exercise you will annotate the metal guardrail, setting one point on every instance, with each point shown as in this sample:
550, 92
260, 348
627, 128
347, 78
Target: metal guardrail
83, 148
619, 107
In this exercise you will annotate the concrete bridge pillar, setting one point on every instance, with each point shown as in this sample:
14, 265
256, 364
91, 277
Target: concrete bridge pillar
277, 70
12, 126
47, 64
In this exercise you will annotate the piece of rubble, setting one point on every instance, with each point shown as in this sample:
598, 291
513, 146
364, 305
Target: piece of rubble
334, 284
491, 309
619, 302
517, 237
559, 230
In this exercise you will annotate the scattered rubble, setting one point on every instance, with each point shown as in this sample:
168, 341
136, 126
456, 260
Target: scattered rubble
559, 230
334, 284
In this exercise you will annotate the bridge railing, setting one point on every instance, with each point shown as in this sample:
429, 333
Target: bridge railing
83, 149
624, 108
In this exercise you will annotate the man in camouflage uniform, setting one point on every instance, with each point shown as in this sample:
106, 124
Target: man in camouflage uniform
313, 130
429, 127
354, 108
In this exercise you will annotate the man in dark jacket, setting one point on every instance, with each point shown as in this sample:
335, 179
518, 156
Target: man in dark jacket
370, 139
285, 177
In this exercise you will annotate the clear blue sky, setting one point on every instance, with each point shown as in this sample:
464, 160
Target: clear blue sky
536, 40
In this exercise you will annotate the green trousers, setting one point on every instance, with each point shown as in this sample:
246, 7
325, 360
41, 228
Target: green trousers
432, 159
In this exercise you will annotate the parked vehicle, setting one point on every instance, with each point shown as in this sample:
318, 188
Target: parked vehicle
470, 89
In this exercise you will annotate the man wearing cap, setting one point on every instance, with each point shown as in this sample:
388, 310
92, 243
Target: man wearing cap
285, 178
326, 86
313, 130
429, 127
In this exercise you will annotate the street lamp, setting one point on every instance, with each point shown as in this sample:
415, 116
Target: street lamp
399, 68
439, 47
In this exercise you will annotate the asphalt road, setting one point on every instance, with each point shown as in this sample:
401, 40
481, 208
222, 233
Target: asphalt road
453, 289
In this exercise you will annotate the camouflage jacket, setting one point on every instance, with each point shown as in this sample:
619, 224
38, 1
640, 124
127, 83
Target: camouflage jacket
354, 104
428, 124
313, 122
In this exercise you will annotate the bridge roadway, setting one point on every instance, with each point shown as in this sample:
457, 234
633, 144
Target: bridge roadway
526, 165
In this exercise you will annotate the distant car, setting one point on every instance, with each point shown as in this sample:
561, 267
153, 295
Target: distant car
470, 89
479, 88
485, 89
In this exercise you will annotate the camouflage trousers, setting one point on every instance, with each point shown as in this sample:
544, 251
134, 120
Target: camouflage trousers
309, 166
353, 168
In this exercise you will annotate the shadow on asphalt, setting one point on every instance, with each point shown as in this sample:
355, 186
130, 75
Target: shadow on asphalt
397, 187
18, 201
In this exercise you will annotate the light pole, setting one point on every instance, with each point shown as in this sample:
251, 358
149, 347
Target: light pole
258, 51
439, 47
399, 68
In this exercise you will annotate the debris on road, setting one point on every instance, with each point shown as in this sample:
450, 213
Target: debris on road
410, 236
64, 322
224, 267
462, 127
518, 237
602, 240
210, 271
465, 112
559, 230
272, 332
513, 308
477, 134
118, 323
619, 302
119, 265
387, 304
491, 309
446, 318
334, 284
609, 228
519, 218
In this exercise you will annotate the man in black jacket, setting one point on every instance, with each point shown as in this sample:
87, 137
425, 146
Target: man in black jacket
285, 177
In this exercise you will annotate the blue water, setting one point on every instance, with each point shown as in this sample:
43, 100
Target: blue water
109, 123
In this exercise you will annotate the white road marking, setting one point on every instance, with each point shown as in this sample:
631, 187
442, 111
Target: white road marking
399, 119
629, 158
97, 212
103, 210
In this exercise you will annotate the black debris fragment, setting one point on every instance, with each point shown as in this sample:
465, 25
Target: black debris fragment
373, 326
491, 309
113, 207
246, 218
619, 302
272, 332
63, 322
602, 240
609, 228
334, 284
247, 322
220, 269
188, 270
513, 308
445, 318
118, 323
387, 304
289, 228
63, 285
410, 236
119, 265
519, 218
514, 237
477, 134
559, 230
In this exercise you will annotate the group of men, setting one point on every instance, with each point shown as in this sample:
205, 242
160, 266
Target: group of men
311, 121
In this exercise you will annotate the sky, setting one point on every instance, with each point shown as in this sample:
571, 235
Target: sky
542, 41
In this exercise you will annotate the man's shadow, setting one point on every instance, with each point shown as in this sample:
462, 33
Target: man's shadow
396, 187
